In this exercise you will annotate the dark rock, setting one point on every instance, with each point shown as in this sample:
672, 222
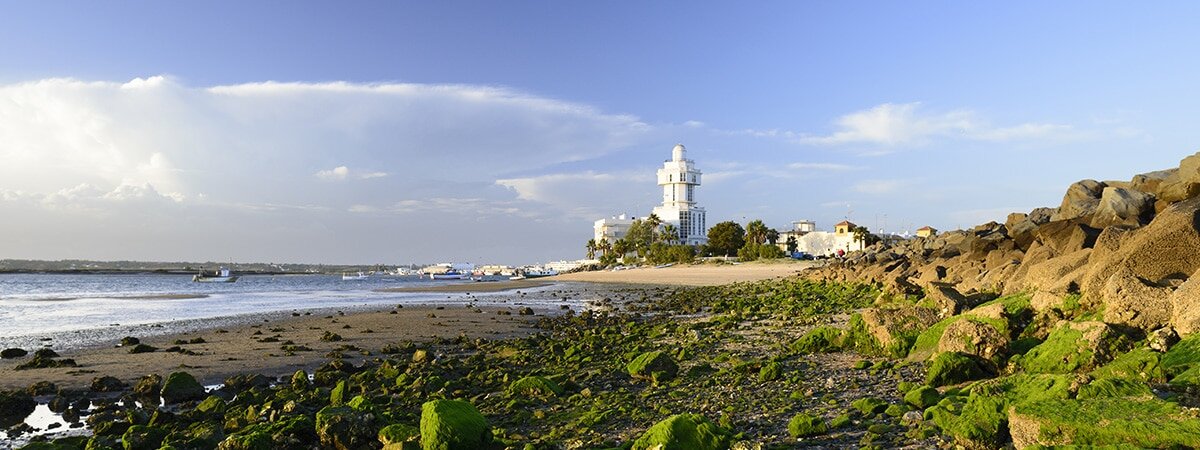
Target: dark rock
14, 407
181, 387
107, 384
10, 353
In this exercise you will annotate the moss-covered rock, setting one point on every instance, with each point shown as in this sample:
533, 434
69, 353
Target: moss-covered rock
1139, 364
1183, 356
453, 425
770, 371
14, 407
148, 387
819, 340
1075, 347
953, 368
300, 380
535, 386
400, 437
212, 405
979, 422
888, 331
181, 387
1139, 422
869, 405
684, 432
142, 437
337, 397
344, 428
922, 397
1113, 387
256, 440
656, 366
804, 425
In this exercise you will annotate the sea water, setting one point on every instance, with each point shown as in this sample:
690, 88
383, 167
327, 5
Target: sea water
72, 310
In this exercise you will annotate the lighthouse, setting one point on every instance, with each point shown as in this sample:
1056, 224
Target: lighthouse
679, 179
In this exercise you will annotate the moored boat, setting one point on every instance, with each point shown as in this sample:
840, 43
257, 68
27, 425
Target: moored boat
358, 276
223, 275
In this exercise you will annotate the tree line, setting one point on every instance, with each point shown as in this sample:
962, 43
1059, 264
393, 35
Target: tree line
655, 242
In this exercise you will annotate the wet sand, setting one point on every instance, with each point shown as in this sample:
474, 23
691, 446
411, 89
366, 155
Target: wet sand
694, 275
248, 348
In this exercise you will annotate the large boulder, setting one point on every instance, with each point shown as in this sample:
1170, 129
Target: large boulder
1075, 347
974, 338
894, 329
684, 432
1167, 248
954, 368
1066, 236
1149, 182
1080, 201
1119, 206
453, 425
1132, 301
1020, 227
946, 299
1183, 183
1060, 275
345, 428
1185, 307
1105, 422
181, 387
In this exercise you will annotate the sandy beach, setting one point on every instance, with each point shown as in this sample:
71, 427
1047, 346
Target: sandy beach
259, 348
694, 275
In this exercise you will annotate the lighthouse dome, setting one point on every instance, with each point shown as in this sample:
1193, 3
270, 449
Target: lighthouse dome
678, 152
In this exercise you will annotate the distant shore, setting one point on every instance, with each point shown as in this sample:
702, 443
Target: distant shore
476, 287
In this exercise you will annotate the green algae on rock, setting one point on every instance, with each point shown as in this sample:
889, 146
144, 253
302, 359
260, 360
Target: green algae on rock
684, 432
181, 387
954, 368
536, 386
804, 425
453, 425
656, 366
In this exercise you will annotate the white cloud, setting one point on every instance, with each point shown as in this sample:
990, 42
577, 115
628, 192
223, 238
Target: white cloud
242, 158
587, 195
336, 173
831, 167
893, 124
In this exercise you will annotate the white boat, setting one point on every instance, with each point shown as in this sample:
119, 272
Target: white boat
220, 276
349, 277
539, 273
448, 275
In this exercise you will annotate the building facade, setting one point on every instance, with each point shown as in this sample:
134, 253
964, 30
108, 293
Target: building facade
612, 228
679, 179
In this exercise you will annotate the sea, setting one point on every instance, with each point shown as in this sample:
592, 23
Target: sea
69, 311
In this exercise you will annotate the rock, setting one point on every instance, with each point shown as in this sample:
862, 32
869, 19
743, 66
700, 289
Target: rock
946, 299
142, 348
1066, 236
400, 437
1123, 207
239, 383
922, 397
300, 380
41, 388
1044, 302
1132, 301
804, 425
1060, 275
525, 311
974, 338
1185, 306
247, 441
684, 432
142, 437
1127, 422
770, 371
148, 387
1169, 247
453, 425
1075, 347
1149, 182
344, 428
420, 356
45, 353
895, 328
535, 386
954, 368
1162, 339
129, 341
107, 384
212, 405
14, 407
1080, 201
181, 387
869, 405
656, 366
11, 353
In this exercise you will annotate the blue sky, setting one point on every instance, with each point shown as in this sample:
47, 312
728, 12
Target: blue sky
497, 131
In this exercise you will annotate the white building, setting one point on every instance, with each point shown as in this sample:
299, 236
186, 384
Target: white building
612, 228
679, 178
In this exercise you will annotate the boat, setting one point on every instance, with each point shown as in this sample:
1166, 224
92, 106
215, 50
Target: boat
448, 275
349, 277
540, 273
220, 276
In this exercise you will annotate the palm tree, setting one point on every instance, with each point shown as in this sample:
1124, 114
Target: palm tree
604, 246
756, 232
591, 249
772, 236
669, 233
621, 247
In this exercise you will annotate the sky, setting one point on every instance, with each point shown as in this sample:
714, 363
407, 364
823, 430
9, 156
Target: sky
498, 132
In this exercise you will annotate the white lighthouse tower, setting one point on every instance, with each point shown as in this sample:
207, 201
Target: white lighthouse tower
679, 179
